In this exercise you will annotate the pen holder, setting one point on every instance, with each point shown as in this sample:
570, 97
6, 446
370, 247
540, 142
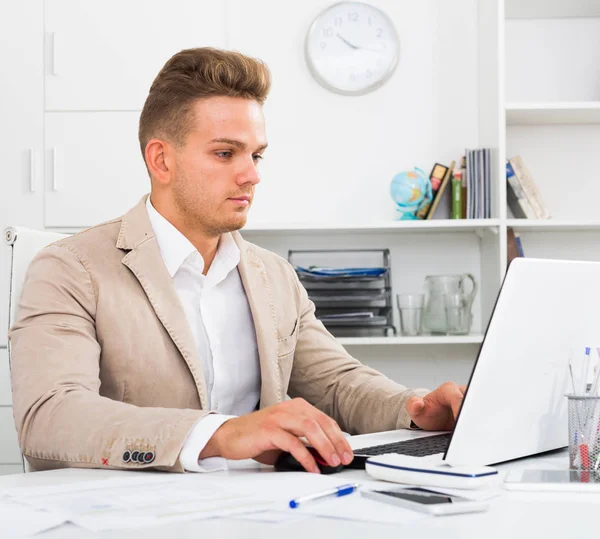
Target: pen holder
584, 433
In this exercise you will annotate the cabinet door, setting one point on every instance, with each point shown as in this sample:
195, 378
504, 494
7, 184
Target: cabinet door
21, 115
105, 55
9, 446
94, 167
5, 390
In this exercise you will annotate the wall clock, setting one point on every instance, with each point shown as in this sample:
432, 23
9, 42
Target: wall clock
352, 48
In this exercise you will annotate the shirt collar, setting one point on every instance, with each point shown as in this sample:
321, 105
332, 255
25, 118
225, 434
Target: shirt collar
175, 248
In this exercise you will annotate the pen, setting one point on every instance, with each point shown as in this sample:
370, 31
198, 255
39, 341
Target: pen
342, 490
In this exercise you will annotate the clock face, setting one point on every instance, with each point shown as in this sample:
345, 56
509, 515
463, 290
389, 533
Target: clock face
352, 48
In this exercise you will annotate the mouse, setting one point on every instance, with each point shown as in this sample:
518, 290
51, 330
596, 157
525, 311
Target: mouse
286, 462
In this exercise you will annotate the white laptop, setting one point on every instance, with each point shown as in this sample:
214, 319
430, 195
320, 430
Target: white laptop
515, 404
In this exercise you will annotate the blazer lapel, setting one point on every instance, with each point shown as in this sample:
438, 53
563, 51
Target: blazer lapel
260, 298
145, 262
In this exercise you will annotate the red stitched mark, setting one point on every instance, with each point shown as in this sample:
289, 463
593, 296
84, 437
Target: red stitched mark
105, 462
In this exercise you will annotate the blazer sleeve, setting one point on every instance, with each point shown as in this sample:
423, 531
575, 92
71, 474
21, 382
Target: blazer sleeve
359, 398
61, 419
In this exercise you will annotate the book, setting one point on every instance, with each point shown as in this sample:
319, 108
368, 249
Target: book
456, 205
440, 192
515, 197
513, 244
463, 169
436, 177
532, 193
478, 182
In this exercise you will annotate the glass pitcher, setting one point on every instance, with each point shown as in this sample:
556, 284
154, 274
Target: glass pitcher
434, 319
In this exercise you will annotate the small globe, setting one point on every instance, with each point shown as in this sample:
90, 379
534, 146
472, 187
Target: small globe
410, 190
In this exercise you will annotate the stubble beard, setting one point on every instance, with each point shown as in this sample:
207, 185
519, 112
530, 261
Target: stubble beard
195, 218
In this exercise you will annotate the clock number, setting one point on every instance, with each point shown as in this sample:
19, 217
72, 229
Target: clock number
370, 21
369, 74
379, 32
338, 21
352, 77
328, 32
353, 16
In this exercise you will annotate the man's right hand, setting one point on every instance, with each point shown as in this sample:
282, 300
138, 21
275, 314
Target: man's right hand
264, 434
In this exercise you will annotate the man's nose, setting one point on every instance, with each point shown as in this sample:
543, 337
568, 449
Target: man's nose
250, 174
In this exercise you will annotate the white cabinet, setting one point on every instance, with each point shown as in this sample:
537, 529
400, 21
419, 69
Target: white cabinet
5, 391
21, 136
9, 446
94, 167
9, 469
105, 55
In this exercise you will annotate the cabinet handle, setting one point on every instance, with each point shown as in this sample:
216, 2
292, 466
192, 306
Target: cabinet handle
33, 171
56, 170
54, 41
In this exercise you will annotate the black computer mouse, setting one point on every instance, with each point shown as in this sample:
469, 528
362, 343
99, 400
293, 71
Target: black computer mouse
286, 462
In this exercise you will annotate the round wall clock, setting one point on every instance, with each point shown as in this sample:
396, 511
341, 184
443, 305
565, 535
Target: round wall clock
352, 48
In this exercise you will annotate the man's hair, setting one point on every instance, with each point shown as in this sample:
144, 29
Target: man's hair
194, 74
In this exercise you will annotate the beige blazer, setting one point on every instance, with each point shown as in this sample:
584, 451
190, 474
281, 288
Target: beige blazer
105, 367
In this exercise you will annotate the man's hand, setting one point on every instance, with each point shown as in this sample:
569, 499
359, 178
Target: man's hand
438, 410
264, 434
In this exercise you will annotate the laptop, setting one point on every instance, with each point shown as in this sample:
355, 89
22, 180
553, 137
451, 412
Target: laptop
515, 404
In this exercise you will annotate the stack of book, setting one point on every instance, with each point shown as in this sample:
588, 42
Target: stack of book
351, 301
469, 187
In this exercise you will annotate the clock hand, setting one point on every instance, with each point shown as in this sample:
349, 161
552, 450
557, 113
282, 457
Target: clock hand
379, 48
347, 42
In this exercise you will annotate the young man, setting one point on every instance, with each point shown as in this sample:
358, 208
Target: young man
163, 339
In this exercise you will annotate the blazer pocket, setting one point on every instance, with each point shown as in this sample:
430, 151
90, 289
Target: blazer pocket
287, 345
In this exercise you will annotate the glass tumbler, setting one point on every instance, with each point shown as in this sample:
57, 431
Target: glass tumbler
458, 315
410, 307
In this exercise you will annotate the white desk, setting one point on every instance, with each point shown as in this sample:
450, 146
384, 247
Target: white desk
514, 514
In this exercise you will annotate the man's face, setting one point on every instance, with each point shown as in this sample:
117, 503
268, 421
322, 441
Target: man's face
216, 169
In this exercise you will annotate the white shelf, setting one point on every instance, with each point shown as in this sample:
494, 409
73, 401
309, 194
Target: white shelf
425, 339
438, 225
582, 112
549, 225
544, 9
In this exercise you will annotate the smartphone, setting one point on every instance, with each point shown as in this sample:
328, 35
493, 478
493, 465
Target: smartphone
427, 501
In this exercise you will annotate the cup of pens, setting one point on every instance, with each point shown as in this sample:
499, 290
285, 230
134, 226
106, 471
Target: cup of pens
584, 432
584, 418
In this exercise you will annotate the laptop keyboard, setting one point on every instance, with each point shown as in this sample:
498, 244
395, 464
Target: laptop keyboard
417, 447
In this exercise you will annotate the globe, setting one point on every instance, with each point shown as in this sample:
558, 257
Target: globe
410, 190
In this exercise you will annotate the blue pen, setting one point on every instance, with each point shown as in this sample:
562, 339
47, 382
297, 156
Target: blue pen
342, 490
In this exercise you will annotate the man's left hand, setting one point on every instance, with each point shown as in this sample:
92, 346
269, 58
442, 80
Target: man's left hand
437, 410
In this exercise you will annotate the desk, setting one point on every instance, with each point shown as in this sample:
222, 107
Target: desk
514, 514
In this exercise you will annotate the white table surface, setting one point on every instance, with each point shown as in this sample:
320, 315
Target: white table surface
512, 514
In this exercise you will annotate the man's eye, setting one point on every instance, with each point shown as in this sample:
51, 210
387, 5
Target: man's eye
257, 157
224, 155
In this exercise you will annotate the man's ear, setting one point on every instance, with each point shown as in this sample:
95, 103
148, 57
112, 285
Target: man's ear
158, 160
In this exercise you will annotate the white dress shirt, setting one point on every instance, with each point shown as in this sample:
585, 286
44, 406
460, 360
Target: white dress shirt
219, 316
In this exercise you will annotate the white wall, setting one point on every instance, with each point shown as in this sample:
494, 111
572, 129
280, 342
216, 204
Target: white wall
330, 158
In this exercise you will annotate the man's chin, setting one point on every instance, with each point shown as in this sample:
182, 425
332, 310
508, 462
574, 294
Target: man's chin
236, 223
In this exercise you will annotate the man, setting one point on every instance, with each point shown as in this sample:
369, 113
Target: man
163, 339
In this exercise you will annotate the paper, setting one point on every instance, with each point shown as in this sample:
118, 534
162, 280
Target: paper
143, 501
18, 520
350, 507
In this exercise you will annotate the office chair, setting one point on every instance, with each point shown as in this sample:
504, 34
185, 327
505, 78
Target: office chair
25, 244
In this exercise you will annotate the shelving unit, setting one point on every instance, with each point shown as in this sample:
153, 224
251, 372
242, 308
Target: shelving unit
552, 116
553, 225
429, 340
575, 113
434, 225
